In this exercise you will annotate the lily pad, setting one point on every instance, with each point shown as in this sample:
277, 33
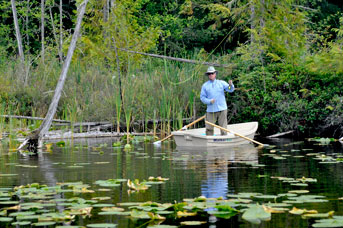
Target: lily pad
319, 215
23, 223
162, 226
9, 202
244, 195
44, 223
192, 223
255, 214
115, 213
6, 219
265, 196
101, 225
299, 191
334, 222
21, 213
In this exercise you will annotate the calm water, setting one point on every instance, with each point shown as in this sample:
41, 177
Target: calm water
191, 173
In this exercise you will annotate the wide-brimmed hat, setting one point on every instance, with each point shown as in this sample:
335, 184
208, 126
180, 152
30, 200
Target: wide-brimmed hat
210, 70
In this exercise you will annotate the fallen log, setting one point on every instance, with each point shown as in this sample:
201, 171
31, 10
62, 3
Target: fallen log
93, 134
33, 118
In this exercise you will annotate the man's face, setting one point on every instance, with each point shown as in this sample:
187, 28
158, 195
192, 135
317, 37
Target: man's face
212, 76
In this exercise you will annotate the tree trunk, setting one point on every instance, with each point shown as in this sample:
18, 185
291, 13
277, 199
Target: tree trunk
61, 33
34, 139
27, 23
54, 33
19, 39
42, 30
252, 19
106, 9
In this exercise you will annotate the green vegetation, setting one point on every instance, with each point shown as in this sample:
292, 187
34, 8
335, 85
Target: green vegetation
284, 58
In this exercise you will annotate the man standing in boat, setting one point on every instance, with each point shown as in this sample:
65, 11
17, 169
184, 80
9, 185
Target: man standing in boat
213, 95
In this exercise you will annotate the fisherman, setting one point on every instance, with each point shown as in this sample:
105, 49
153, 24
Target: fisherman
213, 95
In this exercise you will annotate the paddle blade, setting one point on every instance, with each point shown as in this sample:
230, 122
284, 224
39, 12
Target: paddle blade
157, 143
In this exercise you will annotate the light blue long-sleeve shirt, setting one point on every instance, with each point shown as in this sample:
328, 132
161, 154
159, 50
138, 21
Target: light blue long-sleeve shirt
215, 90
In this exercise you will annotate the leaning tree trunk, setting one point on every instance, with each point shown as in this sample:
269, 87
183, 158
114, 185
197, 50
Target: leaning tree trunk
18, 35
35, 139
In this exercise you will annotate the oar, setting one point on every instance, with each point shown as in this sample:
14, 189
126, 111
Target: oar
242, 136
187, 126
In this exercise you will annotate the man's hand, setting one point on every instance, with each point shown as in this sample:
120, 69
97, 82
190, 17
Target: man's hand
212, 101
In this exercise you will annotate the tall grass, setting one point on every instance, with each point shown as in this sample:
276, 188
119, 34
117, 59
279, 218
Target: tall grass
157, 90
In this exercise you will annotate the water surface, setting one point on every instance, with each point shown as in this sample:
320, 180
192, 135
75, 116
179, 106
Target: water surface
192, 173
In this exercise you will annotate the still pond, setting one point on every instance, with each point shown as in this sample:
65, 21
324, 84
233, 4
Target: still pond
91, 183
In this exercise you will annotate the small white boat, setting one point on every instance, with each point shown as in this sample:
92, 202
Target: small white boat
197, 137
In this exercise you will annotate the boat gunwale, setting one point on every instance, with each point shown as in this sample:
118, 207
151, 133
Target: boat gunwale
232, 135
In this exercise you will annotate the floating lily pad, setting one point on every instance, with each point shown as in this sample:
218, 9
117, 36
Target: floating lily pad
103, 205
309, 199
109, 183
101, 225
278, 204
28, 217
192, 223
129, 204
319, 215
299, 191
244, 195
21, 213
325, 223
6, 219
115, 213
23, 223
255, 214
44, 223
9, 202
162, 226
66, 226
164, 212
287, 195
139, 214
299, 184
265, 196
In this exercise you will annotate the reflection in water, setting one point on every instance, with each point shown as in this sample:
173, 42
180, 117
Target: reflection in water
216, 162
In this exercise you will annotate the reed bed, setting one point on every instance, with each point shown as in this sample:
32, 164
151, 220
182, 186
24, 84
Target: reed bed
164, 92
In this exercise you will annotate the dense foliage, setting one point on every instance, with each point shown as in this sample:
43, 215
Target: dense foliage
284, 57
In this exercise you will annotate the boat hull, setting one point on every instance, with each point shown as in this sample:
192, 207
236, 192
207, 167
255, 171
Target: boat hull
197, 137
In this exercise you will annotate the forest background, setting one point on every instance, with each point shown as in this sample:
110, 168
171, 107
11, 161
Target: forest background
284, 57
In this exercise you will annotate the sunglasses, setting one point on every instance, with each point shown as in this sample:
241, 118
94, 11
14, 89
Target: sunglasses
211, 73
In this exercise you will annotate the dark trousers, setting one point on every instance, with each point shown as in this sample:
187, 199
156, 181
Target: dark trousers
212, 117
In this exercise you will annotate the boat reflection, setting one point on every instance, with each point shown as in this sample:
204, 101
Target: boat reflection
213, 165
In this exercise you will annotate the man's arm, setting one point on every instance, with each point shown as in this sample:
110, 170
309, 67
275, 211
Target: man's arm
231, 87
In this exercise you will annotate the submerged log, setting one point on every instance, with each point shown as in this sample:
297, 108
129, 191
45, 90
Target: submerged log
280, 134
